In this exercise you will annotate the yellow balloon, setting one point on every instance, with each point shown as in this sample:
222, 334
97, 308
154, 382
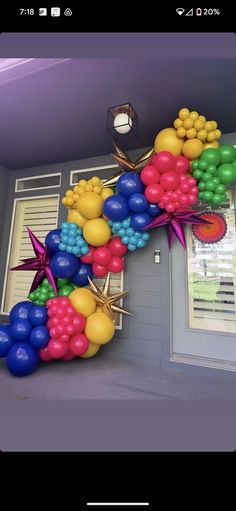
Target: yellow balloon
99, 328
213, 145
202, 118
83, 301
192, 148
198, 125
214, 123
82, 182
96, 181
202, 135
178, 123
217, 133
89, 187
97, 232
181, 132
194, 115
77, 218
90, 205
91, 351
167, 140
97, 189
191, 133
211, 136
188, 123
106, 192
184, 113
208, 126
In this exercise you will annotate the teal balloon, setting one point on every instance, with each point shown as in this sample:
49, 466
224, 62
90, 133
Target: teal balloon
227, 174
227, 153
211, 156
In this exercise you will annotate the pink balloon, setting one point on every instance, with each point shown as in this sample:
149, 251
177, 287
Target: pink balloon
60, 329
68, 356
99, 270
170, 181
57, 349
70, 311
194, 190
164, 161
177, 205
66, 320
154, 193
175, 196
184, 200
64, 338
192, 181
79, 322
181, 165
161, 205
88, 258
116, 264
60, 312
149, 175
192, 198
78, 344
165, 200
44, 355
53, 331
70, 329
183, 178
116, 247
102, 256
170, 208
65, 301
185, 187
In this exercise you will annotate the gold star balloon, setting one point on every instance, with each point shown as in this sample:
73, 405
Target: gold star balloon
105, 300
126, 164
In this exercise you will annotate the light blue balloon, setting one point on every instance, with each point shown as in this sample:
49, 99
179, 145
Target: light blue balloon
117, 225
71, 242
138, 234
72, 225
76, 250
126, 223
131, 247
121, 232
62, 246
80, 242
64, 239
130, 231
72, 233
110, 223
79, 231
133, 240
114, 230
64, 226
69, 249
141, 243
125, 240
146, 236
84, 250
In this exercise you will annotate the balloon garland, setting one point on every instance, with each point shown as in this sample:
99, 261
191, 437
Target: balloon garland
67, 315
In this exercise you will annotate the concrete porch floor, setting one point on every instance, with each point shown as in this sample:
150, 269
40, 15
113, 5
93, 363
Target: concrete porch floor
104, 378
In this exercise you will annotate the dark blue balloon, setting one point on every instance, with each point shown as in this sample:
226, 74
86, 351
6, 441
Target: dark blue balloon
80, 278
129, 183
52, 240
39, 337
22, 359
116, 208
154, 210
138, 203
140, 220
6, 340
38, 315
21, 311
20, 329
64, 265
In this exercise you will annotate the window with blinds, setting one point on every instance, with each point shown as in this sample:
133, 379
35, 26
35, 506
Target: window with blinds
40, 215
212, 277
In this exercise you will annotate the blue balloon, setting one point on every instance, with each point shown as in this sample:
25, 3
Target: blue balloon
64, 265
52, 240
140, 220
116, 208
38, 315
22, 359
154, 210
21, 311
20, 330
138, 203
128, 184
6, 340
80, 278
39, 337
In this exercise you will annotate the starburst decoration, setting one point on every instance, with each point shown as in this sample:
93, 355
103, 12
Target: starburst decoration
40, 263
105, 300
126, 164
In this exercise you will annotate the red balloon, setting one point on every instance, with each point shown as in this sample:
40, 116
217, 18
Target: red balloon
64, 338
60, 329
181, 165
177, 205
56, 348
164, 161
183, 178
64, 301
175, 196
48, 303
116, 264
99, 271
102, 256
194, 190
149, 175
78, 344
116, 247
45, 355
170, 207
70, 329
53, 331
88, 258
60, 312
79, 321
161, 205
185, 187
165, 200
70, 311
192, 198
184, 200
170, 181
192, 181
68, 356
66, 320
154, 193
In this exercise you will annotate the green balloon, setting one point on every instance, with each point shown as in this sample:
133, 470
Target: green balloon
210, 186
212, 170
207, 196
227, 173
211, 156
37, 302
194, 164
62, 282
203, 164
51, 294
220, 189
216, 180
201, 186
234, 163
206, 177
227, 153
197, 174
66, 290
31, 296
216, 199
201, 195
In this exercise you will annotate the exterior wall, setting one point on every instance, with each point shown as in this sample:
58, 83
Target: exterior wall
4, 183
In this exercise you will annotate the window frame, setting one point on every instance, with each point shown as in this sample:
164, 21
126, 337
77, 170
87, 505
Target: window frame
41, 176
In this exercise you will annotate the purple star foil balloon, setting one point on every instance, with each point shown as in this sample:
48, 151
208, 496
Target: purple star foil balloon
174, 223
40, 263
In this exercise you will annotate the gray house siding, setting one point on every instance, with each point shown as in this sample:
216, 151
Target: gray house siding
4, 183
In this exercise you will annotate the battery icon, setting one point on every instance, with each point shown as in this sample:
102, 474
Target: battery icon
198, 11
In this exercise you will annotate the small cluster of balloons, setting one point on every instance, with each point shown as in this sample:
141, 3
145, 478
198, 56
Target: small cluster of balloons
128, 236
107, 258
214, 171
72, 198
71, 239
191, 134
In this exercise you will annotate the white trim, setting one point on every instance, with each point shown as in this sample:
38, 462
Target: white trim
203, 361
90, 169
37, 177
10, 240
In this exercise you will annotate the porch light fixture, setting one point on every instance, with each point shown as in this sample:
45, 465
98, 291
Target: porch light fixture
122, 120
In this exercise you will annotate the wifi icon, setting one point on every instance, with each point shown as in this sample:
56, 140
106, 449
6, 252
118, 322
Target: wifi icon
180, 10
